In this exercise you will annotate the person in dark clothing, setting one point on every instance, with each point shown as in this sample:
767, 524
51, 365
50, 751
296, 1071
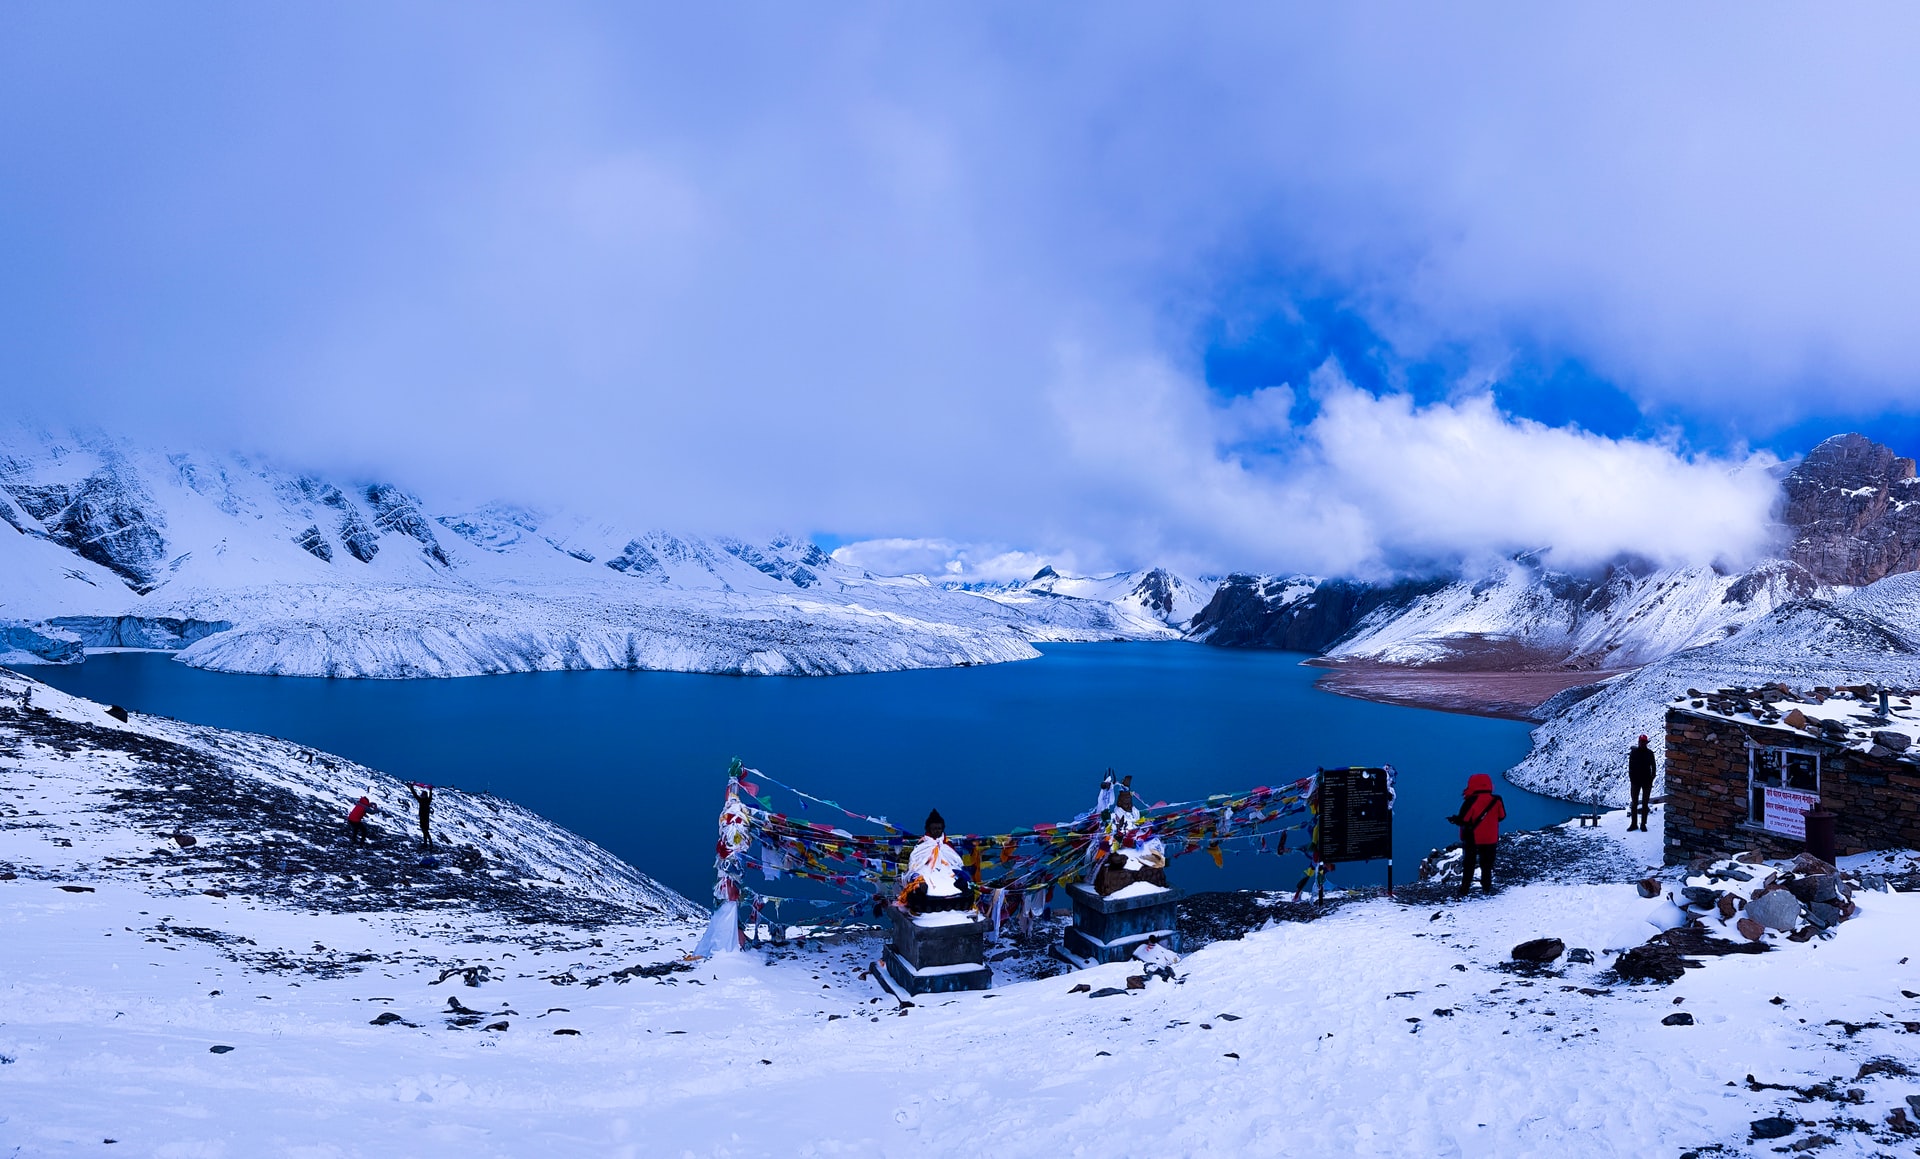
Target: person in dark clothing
1640, 780
357, 831
1481, 811
423, 796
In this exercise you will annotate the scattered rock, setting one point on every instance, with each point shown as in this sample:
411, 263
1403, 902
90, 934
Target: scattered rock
564, 1030
1775, 909
77, 888
185, 840
1540, 950
1823, 915
1137, 982
1812, 1142
1650, 964
1701, 896
1082, 988
214, 892
1649, 887
1794, 718
218, 1049
1106, 992
117, 713
1773, 1127
1727, 905
1750, 929
1678, 1018
1889, 739
501, 1025
387, 1019
1580, 956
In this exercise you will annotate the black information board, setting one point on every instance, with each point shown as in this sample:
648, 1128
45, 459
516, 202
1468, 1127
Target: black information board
1356, 815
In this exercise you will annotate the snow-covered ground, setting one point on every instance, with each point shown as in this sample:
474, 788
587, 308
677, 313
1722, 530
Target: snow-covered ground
326, 1011
294, 574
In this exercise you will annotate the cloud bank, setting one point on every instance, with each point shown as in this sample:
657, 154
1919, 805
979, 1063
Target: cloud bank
948, 274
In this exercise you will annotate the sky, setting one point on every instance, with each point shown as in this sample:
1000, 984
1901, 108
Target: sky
1354, 289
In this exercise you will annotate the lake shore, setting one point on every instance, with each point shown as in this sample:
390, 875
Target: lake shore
1505, 695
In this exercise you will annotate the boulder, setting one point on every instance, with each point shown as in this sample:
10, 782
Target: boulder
1887, 738
1808, 863
1772, 1127
1775, 909
1682, 1018
1824, 887
1541, 950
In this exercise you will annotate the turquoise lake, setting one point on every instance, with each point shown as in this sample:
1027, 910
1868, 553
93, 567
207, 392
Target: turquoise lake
636, 761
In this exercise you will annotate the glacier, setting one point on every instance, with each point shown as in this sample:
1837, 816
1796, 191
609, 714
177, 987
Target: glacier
241, 566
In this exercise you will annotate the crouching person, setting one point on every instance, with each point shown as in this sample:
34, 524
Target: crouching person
357, 831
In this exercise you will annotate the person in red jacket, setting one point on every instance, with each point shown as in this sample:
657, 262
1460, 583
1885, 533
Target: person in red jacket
357, 832
1481, 811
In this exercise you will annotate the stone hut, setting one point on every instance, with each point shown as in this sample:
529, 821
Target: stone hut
1744, 765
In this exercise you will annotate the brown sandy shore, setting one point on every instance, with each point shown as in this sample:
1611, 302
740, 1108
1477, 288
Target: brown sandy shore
1512, 695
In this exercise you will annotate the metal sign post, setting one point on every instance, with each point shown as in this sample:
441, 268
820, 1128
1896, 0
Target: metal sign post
1356, 817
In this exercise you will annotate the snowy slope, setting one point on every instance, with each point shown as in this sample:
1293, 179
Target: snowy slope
1155, 595
1523, 615
336, 1016
1867, 636
319, 577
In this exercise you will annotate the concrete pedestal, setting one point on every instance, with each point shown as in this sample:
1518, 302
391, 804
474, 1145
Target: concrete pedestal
1108, 929
936, 955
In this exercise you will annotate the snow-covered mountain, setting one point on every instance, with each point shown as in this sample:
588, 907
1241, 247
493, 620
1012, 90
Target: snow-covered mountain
1850, 514
1156, 594
1868, 635
1520, 615
248, 568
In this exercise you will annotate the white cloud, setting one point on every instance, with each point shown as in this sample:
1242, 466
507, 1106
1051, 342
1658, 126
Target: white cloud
816, 269
1377, 484
944, 561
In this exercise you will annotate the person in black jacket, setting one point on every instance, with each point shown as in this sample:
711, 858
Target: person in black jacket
423, 796
1640, 780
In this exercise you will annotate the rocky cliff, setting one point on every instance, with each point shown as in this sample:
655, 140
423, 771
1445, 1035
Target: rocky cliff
1854, 510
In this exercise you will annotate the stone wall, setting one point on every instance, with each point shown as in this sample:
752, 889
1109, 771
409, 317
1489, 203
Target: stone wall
1877, 799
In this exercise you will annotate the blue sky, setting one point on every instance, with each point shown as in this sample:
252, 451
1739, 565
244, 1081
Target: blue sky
1101, 283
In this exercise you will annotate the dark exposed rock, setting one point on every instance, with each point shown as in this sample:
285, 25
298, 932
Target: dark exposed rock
791, 560
1680, 1018
359, 539
1850, 506
395, 510
311, 540
1772, 1127
1155, 590
1294, 613
106, 517
1539, 950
